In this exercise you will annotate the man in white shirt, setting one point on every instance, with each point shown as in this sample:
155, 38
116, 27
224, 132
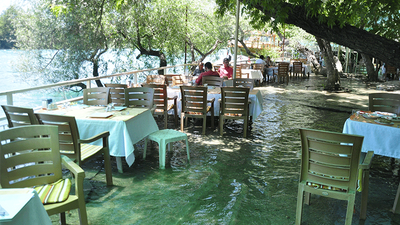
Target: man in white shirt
261, 60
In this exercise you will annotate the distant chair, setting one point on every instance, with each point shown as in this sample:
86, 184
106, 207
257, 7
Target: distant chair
156, 79
391, 72
238, 71
216, 67
258, 66
243, 82
161, 102
386, 102
96, 96
298, 69
140, 97
117, 93
195, 105
330, 168
212, 81
283, 72
245, 66
169, 78
19, 116
234, 105
177, 81
30, 156
79, 150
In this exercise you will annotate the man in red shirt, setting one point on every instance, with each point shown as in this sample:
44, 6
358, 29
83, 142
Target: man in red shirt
225, 71
208, 72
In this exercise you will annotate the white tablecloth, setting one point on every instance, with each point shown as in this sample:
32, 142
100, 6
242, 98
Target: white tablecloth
23, 206
126, 127
253, 74
383, 140
255, 95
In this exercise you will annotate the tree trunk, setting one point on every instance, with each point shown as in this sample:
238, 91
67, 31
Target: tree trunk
163, 62
316, 67
355, 38
371, 72
333, 80
96, 72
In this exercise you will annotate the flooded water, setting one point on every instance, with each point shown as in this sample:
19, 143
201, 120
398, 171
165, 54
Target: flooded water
236, 180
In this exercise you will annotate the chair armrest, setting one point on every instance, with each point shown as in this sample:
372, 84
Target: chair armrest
78, 172
211, 100
172, 98
104, 134
366, 163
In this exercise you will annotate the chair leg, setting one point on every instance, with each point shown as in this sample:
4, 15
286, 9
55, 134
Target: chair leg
204, 124
245, 128
221, 125
83, 214
182, 117
162, 154
145, 147
62, 218
165, 119
187, 149
364, 194
176, 114
350, 209
107, 166
299, 208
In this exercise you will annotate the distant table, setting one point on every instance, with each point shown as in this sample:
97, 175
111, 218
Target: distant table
23, 206
254, 74
215, 92
126, 128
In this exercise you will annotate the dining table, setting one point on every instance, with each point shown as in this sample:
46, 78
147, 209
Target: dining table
127, 126
255, 96
380, 136
22, 206
253, 74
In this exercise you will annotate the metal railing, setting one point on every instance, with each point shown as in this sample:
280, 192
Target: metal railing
10, 94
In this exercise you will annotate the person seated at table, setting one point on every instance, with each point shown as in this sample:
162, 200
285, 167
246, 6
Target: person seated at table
209, 72
199, 69
225, 71
261, 60
269, 67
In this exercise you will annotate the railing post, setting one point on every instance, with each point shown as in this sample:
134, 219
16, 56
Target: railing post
9, 99
136, 78
88, 84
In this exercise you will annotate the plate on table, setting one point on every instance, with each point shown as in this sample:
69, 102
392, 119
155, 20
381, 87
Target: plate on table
101, 115
371, 115
119, 108
384, 121
385, 114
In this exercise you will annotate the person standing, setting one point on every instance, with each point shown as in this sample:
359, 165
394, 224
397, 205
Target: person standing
208, 72
225, 71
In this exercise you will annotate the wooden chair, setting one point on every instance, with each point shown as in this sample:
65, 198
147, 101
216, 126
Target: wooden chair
117, 93
169, 78
212, 81
243, 82
156, 79
160, 99
234, 105
283, 72
79, 150
238, 71
385, 102
177, 81
96, 96
245, 66
195, 105
298, 69
259, 67
330, 167
216, 67
391, 72
41, 164
140, 97
19, 116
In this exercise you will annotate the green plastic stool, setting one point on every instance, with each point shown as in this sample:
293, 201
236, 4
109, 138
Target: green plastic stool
164, 137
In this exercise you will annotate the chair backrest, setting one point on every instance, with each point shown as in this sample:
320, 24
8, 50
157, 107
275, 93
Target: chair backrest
330, 159
139, 97
117, 93
177, 81
212, 81
160, 98
169, 77
19, 116
385, 102
243, 82
283, 68
235, 100
96, 96
238, 71
68, 134
155, 79
194, 99
258, 66
391, 69
29, 156
297, 67
245, 66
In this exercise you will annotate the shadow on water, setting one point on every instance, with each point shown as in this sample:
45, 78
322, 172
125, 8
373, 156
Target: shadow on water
233, 180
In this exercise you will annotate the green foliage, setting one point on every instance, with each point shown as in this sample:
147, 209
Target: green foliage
7, 30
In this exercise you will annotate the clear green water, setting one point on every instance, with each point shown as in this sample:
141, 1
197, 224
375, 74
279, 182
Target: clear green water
232, 180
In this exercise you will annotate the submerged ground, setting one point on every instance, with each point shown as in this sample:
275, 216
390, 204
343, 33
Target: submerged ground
236, 180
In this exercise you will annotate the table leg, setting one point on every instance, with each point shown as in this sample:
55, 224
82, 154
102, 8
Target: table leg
396, 207
119, 164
